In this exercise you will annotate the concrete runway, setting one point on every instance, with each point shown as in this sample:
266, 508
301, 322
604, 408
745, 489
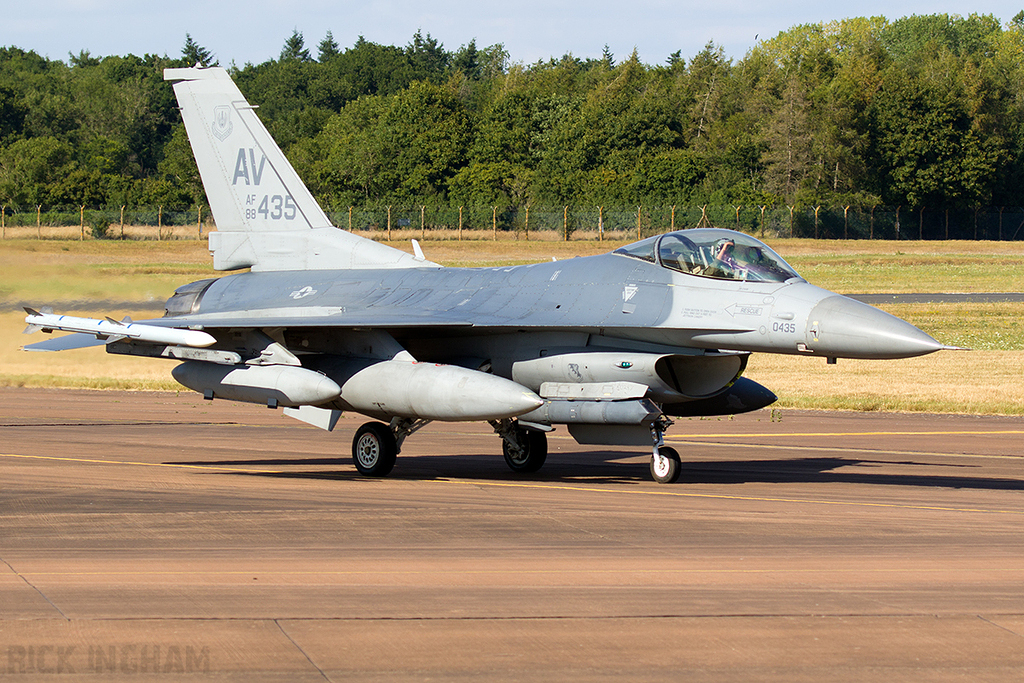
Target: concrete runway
156, 537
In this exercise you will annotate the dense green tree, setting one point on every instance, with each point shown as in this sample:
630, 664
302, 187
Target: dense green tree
467, 61
400, 147
789, 156
908, 38
919, 111
193, 53
328, 48
295, 48
30, 167
12, 114
428, 57
927, 149
178, 167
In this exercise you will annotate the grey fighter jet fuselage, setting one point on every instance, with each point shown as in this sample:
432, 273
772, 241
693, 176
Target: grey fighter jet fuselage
610, 346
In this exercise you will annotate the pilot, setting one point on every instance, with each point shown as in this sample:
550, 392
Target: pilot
725, 250
724, 261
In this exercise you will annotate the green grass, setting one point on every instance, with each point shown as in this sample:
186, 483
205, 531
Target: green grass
50, 271
979, 326
903, 273
74, 382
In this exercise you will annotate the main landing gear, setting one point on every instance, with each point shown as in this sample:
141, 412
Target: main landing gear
525, 450
376, 445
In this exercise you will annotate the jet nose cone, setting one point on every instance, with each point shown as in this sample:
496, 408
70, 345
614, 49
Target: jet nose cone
845, 328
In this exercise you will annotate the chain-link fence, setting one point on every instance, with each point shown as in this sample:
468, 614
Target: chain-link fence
541, 222
81, 222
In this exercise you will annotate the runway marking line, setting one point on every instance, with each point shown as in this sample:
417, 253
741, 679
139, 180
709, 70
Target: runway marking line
837, 449
720, 496
143, 464
831, 434
504, 572
554, 487
693, 439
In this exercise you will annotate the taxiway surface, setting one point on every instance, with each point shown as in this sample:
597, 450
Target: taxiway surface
154, 535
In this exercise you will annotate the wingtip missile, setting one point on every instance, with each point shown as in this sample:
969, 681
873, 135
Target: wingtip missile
112, 330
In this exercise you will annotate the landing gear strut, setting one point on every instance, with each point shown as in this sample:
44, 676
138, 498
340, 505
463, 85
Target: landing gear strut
665, 464
525, 450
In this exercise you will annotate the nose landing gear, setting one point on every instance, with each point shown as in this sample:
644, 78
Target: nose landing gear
665, 463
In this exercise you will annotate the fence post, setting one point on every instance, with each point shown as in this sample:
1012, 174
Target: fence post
460, 223
160, 224
565, 223
350, 219
816, 210
39, 221
526, 225
600, 224
3, 221
389, 224
846, 223
639, 212
494, 221
672, 222
791, 221
762, 219
423, 223
199, 219
738, 215
122, 223
81, 223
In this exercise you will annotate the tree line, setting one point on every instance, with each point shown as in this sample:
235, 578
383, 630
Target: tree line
922, 111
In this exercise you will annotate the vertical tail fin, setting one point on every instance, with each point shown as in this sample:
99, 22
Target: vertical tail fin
266, 217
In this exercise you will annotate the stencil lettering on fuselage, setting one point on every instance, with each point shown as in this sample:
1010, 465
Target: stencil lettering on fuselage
250, 171
243, 166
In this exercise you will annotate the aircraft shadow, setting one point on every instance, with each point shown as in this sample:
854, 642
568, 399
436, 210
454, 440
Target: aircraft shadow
828, 470
603, 467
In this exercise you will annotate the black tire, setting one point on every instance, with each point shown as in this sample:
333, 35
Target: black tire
667, 468
374, 450
531, 454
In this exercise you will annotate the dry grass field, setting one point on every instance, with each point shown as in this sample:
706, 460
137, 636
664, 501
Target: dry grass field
135, 276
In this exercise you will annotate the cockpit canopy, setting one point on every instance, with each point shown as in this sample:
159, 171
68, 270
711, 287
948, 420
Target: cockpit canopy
714, 253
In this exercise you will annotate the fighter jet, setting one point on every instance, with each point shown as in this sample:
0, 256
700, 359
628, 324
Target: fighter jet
323, 321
